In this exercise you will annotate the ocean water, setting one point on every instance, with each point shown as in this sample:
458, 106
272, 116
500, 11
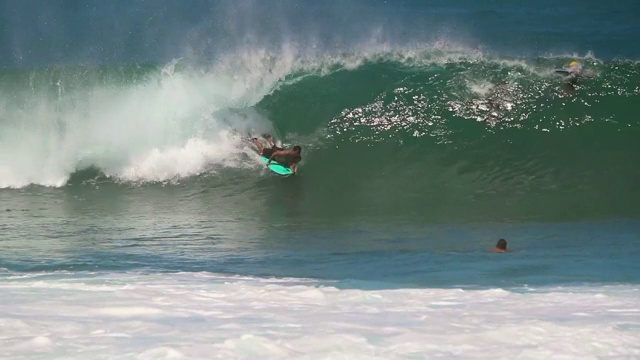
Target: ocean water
137, 223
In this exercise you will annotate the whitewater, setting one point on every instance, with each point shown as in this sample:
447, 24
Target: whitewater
204, 316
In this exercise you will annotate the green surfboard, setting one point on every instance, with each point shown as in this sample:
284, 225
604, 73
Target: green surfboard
278, 168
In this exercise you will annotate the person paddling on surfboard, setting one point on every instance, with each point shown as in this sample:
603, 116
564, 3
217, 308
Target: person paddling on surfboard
287, 157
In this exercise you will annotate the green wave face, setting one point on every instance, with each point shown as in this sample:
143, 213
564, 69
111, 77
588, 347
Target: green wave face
474, 139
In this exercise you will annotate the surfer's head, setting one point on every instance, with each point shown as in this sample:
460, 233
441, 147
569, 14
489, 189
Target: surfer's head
502, 244
297, 149
575, 66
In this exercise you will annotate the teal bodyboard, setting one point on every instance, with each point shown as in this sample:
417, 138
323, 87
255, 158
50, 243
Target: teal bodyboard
278, 168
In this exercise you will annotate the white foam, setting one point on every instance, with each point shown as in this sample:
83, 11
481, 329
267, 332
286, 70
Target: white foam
194, 158
203, 316
167, 125
480, 87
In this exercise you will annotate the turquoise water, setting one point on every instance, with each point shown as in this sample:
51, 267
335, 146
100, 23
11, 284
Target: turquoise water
136, 222
173, 228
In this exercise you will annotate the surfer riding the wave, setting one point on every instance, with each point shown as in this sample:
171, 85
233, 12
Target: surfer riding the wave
286, 157
572, 72
572, 69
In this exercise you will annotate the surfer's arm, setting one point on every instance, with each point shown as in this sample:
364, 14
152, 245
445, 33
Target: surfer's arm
275, 153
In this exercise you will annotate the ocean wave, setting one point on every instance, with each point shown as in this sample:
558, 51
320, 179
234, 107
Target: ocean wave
473, 125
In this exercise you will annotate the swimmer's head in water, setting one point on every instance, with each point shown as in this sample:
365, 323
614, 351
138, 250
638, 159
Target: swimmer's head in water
502, 244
